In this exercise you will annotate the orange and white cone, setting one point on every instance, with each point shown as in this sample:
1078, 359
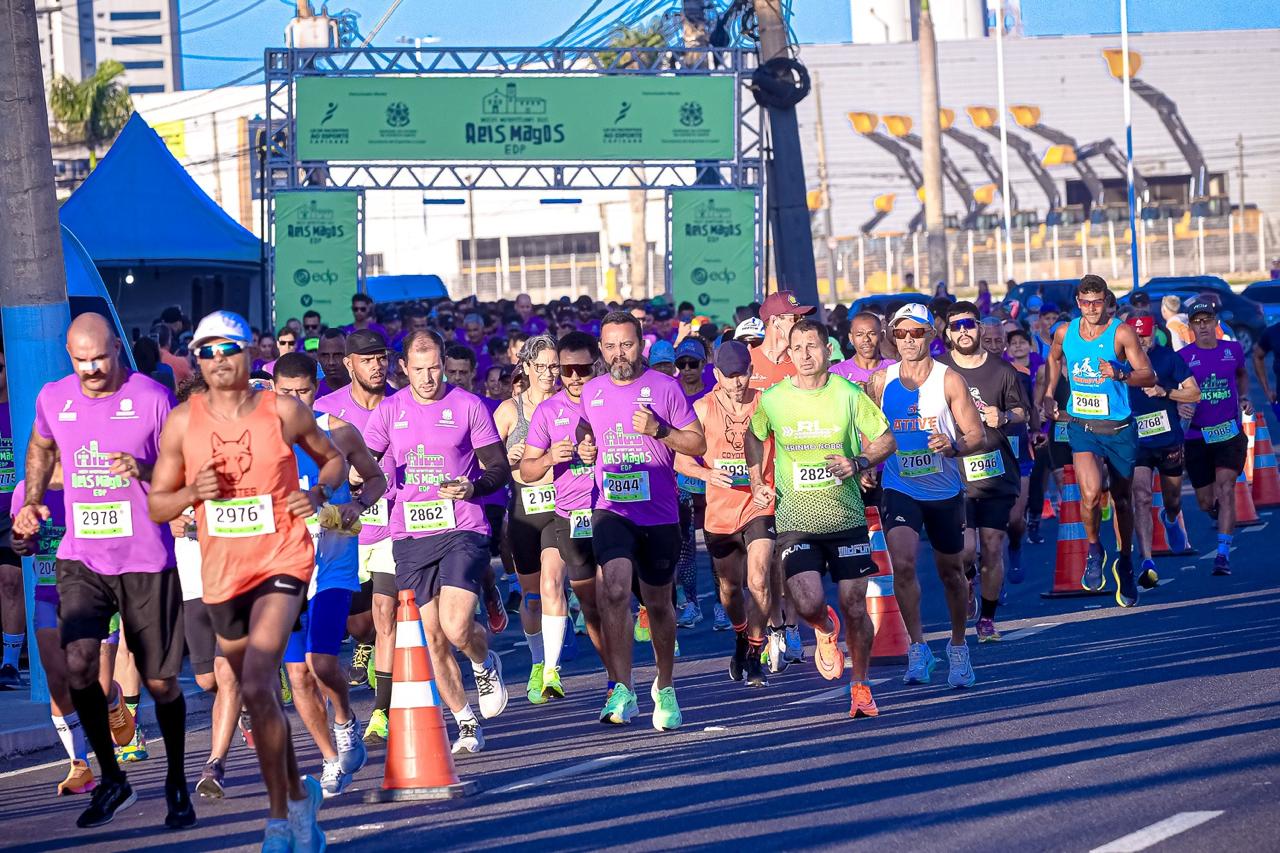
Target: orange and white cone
891, 641
419, 761
1073, 545
1249, 425
1266, 476
1246, 513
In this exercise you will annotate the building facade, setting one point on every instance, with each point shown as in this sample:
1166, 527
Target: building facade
78, 35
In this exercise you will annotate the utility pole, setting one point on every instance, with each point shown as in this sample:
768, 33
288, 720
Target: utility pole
1240, 171
824, 188
931, 151
788, 210
33, 290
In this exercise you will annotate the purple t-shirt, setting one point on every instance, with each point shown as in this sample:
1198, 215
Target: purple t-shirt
373, 327
500, 497
8, 470
556, 419
429, 443
634, 473
374, 524
110, 531
47, 542
850, 370
1217, 416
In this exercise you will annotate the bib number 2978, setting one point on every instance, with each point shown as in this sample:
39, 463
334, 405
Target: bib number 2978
112, 520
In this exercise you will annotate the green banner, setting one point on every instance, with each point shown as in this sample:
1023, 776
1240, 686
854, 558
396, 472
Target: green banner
713, 239
516, 118
316, 253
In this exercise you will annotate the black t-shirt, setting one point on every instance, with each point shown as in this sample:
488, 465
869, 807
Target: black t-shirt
1157, 417
992, 472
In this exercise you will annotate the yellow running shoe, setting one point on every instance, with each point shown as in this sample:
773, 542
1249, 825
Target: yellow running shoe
551, 686
534, 688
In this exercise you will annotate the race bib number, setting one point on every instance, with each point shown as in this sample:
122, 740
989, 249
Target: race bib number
8, 479
1153, 424
1220, 432
736, 468
313, 527
239, 518
428, 516
538, 499
811, 476
691, 485
376, 515
626, 488
45, 573
1060, 432
112, 520
918, 463
580, 524
983, 466
1090, 404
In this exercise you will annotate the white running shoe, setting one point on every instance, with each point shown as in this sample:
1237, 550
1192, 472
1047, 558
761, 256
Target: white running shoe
960, 673
333, 781
493, 693
352, 754
470, 737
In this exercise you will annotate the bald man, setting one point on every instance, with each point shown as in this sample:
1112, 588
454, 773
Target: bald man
103, 423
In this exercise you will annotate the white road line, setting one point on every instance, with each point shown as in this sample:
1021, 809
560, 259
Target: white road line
1164, 581
1262, 526
1023, 633
562, 773
1155, 833
833, 693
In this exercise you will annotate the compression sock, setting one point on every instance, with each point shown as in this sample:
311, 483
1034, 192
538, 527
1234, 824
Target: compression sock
91, 707
534, 641
1224, 544
383, 701
72, 735
553, 631
172, 718
12, 649
989, 609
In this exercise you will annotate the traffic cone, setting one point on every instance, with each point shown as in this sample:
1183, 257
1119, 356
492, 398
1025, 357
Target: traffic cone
1047, 511
1073, 545
1160, 546
1266, 477
891, 641
1246, 512
419, 762
1250, 426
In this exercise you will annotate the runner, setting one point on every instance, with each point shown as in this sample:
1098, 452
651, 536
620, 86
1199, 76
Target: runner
1160, 444
934, 421
827, 433
437, 438
102, 423
690, 359
1099, 356
1216, 444
228, 453
311, 657
999, 339
639, 419
992, 475
865, 332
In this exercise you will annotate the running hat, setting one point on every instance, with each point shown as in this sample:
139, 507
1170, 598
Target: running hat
662, 352
366, 342
222, 324
690, 348
751, 328
733, 359
1049, 308
782, 302
1144, 325
912, 311
1200, 305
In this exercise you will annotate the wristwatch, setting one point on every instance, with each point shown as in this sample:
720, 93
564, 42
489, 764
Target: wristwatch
861, 464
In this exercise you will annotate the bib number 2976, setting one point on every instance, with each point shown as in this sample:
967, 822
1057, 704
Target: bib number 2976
241, 517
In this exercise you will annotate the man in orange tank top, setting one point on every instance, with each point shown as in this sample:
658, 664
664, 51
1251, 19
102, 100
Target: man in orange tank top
229, 454
770, 363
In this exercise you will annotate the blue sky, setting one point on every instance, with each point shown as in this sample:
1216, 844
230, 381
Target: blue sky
522, 22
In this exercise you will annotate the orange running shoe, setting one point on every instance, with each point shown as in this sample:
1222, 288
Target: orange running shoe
828, 658
79, 779
120, 719
641, 632
861, 702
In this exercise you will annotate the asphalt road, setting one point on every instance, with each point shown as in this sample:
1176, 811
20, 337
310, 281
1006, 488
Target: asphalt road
1090, 727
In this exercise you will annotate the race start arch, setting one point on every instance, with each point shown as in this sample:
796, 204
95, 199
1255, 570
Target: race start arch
347, 121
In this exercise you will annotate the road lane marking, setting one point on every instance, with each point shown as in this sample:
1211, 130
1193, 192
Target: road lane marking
834, 693
1155, 833
1023, 633
562, 773
1262, 526
11, 773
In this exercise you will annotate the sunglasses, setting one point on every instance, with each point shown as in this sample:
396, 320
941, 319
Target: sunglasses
1091, 303
688, 363
962, 325
914, 334
579, 370
310, 325
359, 309
225, 349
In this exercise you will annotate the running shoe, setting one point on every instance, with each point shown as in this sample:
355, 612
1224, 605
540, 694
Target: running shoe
987, 631
134, 750
108, 798
10, 678
278, 838
498, 619
332, 780
690, 614
376, 732
1175, 535
620, 707
1126, 589
533, 688
246, 728
720, 620
738, 662
1147, 578
920, 664
827, 657
352, 755
551, 686
666, 711
774, 654
121, 721
971, 609
360, 657
1221, 565
212, 784
795, 646
308, 837
961, 672
755, 671
470, 737
861, 702
641, 632
79, 779
180, 813
514, 598
1015, 572
1034, 536
493, 693
1093, 579
286, 693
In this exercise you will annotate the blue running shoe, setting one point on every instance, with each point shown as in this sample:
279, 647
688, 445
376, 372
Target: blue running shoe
1221, 565
1147, 578
1093, 579
920, 664
1126, 589
1175, 535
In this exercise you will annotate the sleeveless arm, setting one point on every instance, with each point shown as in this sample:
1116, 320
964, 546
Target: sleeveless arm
170, 494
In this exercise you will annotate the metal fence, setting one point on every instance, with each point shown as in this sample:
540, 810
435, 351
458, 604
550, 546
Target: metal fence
544, 278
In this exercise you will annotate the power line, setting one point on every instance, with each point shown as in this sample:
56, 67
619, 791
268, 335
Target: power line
252, 5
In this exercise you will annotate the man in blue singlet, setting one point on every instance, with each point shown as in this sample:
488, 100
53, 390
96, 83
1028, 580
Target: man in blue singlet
1101, 356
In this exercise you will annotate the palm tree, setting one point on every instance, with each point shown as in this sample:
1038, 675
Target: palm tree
93, 111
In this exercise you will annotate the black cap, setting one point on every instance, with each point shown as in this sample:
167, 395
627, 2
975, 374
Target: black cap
733, 358
366, 342
1200, 305
172, 314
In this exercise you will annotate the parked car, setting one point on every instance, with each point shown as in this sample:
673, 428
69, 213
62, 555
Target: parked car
1242, 316
1267, 294
1061, 292
880, 302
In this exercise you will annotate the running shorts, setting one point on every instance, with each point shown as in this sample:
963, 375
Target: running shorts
1203, 459
942, 520
991, 513
1119, 450
377, 559
845, 555
725, 546
202, 645
323, 627
230, 618
576, 551
529, 535
1167, 461
652, 549
456, 558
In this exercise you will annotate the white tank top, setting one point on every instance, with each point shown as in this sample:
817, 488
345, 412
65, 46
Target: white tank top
913, 416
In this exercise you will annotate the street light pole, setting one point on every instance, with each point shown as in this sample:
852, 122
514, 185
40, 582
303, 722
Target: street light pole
1004, 139
1128, 141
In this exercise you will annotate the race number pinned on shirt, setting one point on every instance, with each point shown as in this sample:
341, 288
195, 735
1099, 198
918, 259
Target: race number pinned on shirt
428, 516
112, 520
1153, 424
1220, 432
1090, 404
918, 463
376, 515
538, 499
983, 466
626, 488
1060, 432
239, 518
736, 468
46, 574
8, 479
580, 524
691, 485
811, 476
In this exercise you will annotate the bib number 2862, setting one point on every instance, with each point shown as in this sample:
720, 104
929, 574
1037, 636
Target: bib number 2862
426, 516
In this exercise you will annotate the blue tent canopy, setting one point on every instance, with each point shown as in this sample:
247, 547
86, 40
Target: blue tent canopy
404, 288
140, 207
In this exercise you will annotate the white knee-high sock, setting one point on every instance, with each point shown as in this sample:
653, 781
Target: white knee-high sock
71, 735
553, 631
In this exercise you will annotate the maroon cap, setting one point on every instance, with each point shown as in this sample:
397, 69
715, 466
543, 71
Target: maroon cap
782, 302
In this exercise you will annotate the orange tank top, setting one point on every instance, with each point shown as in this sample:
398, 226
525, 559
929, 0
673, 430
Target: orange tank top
764, 373
248, 535
729, 510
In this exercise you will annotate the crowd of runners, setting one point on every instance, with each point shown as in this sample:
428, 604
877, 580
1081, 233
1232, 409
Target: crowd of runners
555, 465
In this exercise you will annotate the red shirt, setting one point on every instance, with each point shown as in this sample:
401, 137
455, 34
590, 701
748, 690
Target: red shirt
764, 373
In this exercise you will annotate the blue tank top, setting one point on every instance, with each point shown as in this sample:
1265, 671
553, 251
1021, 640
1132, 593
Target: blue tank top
1093, 396
337, 555
914, 415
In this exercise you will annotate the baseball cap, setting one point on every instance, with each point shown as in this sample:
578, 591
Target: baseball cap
912, 311
1144, 325
751, 327
1200, 305
1140, 298
172, 314
690, 348
222, 324
1050, 308
662, 312
662, 352
366, 342
733, 358
782, 302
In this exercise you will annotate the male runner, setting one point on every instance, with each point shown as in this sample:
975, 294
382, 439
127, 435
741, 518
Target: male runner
865, 334
827, 433
311, 657
436, 438
1160, 444
229, 454
935, 424
1216, 444
1100, 356
639, 419
991, 475
101, 423
331, 354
